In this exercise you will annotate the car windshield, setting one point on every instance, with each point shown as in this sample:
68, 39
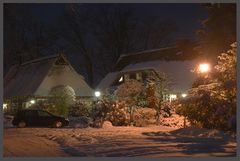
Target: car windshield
44, 114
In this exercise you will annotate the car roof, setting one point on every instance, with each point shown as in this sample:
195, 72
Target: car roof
24, 110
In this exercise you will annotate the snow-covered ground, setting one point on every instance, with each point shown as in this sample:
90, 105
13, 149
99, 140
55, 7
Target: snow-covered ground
155, 141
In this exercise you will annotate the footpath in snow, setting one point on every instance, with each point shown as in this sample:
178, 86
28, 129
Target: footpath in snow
155, 141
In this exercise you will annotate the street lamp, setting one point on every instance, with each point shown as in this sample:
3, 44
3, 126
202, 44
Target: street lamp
97, 94
204, 68
184, 95
32, 101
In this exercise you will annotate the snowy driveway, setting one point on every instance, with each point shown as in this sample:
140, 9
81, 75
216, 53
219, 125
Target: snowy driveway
117, 141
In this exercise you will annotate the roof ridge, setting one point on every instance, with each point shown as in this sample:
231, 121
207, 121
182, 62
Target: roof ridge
145, 51
149, 50
40, 59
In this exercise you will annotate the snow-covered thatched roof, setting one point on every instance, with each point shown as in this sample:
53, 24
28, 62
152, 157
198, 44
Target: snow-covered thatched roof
107, 81
178, 72
167, 60
26, 79
166, 54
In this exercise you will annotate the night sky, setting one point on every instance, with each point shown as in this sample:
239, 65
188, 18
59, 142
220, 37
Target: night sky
186, 16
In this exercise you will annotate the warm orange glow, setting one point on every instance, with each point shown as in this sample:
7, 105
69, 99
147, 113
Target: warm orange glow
204, 68
184, 95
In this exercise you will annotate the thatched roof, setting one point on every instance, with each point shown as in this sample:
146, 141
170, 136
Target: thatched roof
26, 78
178, 73
179, 52
166, 54
173, 61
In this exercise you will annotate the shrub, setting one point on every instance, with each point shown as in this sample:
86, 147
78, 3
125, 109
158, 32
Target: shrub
129, 93
115, 112
157, 87
99, 110
79, 109
61, 98
212, 104
144, 117
118, 114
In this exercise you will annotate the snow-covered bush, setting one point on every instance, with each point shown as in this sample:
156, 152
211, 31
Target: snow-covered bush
64, 91
99, 111
144, 117
61, 98
157, 87
213, 104
107, 124
115, 112
118, 114
129, 92
79, 109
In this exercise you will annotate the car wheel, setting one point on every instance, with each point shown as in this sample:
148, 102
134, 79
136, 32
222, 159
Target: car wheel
58, 124
22, 124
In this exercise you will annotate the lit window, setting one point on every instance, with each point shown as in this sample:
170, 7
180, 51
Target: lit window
139, 76
121, 79
172, 97
4, 106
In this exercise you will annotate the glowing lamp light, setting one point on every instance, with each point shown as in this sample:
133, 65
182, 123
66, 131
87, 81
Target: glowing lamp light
184, 95
204, 68
4, 106
97, 93
32, 101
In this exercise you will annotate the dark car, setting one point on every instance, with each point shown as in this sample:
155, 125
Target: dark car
32, 117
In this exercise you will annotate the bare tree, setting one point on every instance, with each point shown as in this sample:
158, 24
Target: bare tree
155, 33
101, 33
25, 37
113, 32
218, 29
75, 32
